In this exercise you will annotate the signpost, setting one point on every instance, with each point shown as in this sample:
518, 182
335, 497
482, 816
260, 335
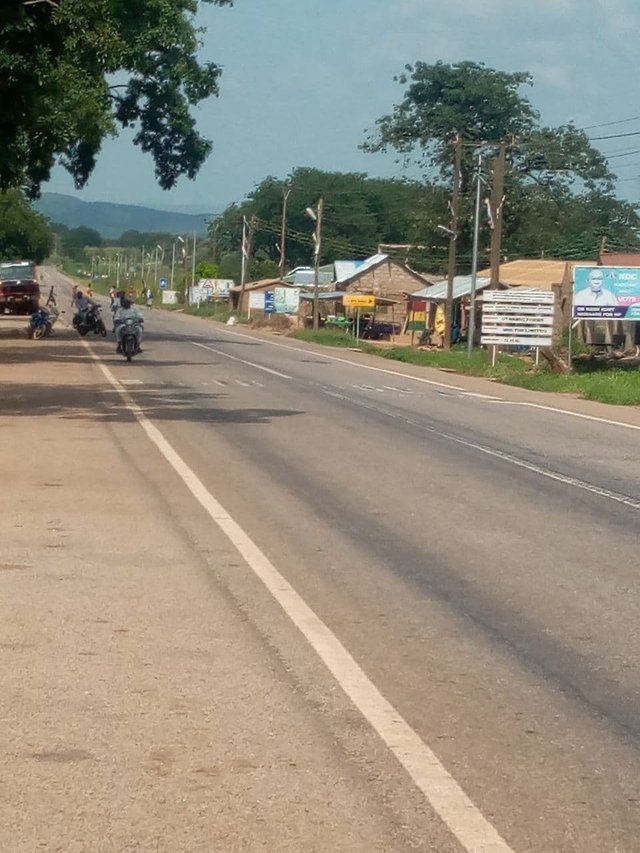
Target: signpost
169, 297
269, 302
256, 301
163, 284
359, 300
521, 318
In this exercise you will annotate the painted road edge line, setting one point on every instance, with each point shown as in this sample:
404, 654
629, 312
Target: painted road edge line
567, 480
243, 361
461, 816
489, 398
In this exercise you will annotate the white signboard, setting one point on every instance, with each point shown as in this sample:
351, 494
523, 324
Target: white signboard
198, 294
169, 297
216, 286
256, 301
287, 300
521, 318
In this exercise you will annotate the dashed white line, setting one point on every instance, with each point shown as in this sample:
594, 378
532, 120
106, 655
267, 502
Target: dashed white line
408, 377
242, 360
463, 818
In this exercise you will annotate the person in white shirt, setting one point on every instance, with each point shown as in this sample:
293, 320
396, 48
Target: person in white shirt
595, 294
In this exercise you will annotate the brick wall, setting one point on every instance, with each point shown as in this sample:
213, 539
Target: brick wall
392, 281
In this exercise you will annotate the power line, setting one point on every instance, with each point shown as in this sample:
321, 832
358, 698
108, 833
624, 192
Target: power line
611, 123
615, 136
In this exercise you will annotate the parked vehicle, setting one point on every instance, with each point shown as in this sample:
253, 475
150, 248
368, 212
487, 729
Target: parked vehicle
19, 287
90, 321
42, 321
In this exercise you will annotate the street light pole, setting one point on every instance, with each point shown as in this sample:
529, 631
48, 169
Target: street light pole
316, 215
471, 325
193, 263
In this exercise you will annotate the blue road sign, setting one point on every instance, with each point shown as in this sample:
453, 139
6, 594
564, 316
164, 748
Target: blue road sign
163, 284
269, 302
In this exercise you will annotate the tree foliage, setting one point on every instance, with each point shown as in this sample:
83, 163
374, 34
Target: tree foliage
73, 72
73, 240
559, 191
24, 234
483, 107
359, 214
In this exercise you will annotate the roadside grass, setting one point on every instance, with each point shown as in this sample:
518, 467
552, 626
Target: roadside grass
618, 385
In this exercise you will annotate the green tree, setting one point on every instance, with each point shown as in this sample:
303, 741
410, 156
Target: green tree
73, 72
75, 240
359, 214
483, 106
24, 234
559, 190
206, 269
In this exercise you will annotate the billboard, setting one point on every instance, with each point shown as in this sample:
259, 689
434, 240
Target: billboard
516, 317
286, 300
606, 293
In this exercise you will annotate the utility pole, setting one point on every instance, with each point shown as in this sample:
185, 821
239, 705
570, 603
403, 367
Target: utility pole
453, 236
497, 203
286, 192
247, 241
317, 239
471, 324
193, 265
213, 233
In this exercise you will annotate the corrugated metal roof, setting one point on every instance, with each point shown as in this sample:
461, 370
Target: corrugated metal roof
619, 259
540, 272
263, 283
461, 287
334, 294
347, 269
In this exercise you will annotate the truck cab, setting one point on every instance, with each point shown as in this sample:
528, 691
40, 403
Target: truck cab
19, 287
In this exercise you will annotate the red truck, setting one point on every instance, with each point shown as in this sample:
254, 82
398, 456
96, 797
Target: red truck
19, 287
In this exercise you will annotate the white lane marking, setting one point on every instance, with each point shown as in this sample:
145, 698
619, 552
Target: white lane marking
398, 390
497, 454
131, 381
235, 358
556, 410
463, 818
410, 378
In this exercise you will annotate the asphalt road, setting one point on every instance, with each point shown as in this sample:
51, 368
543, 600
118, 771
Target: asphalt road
473, 549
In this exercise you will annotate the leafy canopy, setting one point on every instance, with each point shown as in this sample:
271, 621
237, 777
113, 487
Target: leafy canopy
359, 213
559, 189
24, 234
73, 72
484, 106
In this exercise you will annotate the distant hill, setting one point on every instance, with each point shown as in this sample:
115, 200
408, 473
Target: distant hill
110, 220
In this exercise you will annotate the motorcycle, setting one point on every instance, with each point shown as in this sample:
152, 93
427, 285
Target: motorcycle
90, 321
129, 336
42, 321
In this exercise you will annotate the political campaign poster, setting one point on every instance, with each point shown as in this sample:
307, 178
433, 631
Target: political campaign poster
606, 293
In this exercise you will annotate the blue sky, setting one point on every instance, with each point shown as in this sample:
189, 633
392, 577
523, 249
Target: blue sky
303, 81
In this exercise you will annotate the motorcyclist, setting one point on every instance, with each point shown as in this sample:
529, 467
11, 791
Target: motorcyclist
84, 307
125, 312
83, 303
